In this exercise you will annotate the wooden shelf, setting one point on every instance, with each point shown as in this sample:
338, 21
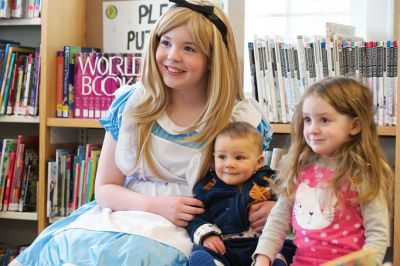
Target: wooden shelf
382, 130
55, 219
73, 122
281, 128
21, 22
19, 119
32, 216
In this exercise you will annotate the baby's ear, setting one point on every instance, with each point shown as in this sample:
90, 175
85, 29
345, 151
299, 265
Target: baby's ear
260, 161
356, 126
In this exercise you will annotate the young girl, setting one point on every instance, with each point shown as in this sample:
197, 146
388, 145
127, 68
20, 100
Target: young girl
157, 144
335, 181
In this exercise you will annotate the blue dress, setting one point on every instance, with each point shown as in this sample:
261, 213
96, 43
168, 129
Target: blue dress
99, 236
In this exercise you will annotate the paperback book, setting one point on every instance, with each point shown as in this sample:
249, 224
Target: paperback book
97, 76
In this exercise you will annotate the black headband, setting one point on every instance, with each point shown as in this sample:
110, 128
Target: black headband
208, 12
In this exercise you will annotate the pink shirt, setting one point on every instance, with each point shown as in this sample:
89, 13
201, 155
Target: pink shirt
324, 229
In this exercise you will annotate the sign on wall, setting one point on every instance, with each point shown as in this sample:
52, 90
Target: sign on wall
127, 24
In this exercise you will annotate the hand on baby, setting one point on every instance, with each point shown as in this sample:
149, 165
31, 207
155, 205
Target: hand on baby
215, 243
179, 210
258, 214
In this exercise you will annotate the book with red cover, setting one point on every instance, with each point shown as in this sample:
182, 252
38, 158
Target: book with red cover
24, 142
9, 145
13, 86
70, 53
9, 181
83, 72
60, 84
97, 76
76, 185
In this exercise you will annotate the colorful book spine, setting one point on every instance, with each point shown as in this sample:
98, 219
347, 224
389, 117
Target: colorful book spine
30, 8
6, 84
34, 99
29, 158
8, 146
23, 109
9, 182
59, 84
20, 88
94, 158
51, 188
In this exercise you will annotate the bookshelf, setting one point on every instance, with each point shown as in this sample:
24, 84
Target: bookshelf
19, 227
83, 28
62, 22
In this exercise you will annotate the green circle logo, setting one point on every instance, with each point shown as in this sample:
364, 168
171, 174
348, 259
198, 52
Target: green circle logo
219, 3
111, 12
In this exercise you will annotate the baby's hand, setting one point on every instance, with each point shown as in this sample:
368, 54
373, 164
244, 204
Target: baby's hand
214, 243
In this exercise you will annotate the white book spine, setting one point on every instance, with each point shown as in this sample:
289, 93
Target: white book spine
278, 54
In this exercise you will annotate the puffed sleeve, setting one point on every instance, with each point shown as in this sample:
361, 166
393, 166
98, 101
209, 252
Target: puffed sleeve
249, 110
112, 121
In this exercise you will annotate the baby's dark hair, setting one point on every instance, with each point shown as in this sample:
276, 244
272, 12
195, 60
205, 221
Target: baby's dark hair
237, 130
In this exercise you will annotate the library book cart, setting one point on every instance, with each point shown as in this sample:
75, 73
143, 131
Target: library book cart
79, 22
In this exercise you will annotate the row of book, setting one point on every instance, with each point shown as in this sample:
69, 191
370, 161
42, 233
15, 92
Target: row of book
19, 79
19, 173
87, 79
9, 252
281, 71
70, 179
273, 157
20, 8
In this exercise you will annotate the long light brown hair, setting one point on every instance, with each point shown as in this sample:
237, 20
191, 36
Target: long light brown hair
360, 160
224, 81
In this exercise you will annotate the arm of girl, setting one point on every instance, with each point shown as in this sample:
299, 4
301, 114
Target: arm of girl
376, 224
111, 193
275, 230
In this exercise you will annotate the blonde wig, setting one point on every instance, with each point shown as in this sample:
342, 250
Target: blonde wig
360, 160
224, 80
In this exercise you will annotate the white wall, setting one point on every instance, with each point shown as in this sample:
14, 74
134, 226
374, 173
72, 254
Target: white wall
236, 14
374, 19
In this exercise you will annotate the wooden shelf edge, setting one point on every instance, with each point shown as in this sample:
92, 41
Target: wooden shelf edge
73, 122
387, 130
55, 219
281, 128
21, 22
382, 130
31, 216
19, 119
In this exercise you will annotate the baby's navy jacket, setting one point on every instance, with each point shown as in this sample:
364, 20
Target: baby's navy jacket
226, 206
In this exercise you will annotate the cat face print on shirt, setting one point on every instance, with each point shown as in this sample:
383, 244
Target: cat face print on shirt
312, 208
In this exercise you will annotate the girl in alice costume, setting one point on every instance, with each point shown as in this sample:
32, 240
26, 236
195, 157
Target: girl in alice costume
157, 144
